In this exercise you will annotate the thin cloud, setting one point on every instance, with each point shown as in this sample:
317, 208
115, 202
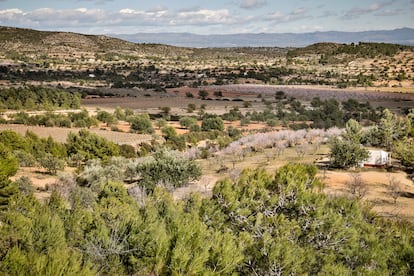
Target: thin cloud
328, 14
96, 2
204, 16
252, 4
294, 15
82, 17
390, 13
357, 12
10, 15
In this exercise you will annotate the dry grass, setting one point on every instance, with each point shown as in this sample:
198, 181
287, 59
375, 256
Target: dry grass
335, 180
377, 180
378, 195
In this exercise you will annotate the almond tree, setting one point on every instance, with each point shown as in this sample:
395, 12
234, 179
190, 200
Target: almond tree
394, 187
356, 185
302, 149
235, 150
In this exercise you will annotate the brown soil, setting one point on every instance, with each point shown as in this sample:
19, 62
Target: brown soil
42, 181
377, 181
378, 193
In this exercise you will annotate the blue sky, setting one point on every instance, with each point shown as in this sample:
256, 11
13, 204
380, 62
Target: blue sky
207, 17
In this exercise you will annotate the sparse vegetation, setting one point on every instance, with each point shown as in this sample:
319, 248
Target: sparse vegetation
221, 129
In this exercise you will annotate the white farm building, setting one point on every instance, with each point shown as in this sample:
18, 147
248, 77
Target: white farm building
376, 158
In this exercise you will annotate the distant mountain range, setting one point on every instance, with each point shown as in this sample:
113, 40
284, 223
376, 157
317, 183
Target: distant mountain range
403, 36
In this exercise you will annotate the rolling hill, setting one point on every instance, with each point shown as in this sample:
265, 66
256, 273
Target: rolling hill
403, 36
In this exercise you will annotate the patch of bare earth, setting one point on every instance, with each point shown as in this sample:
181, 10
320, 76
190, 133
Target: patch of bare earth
42, 181
377, 180
378, 191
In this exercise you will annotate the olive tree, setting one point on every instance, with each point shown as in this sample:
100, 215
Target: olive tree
187, 121
212, 123
51, 163
141, 123
167, 168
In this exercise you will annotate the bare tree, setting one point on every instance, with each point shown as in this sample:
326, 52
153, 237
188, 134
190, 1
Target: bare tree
316, 142
356, 185
64, 184
280, 148
235, 151
302, 149
139, 194
205, 182
192, 153
394, 187
234, 174
101, 249
269, 155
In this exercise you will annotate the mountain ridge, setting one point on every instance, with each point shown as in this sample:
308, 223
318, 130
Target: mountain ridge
403, 36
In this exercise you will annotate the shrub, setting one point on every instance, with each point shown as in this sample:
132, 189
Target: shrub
167, 168
8, 163
187, 122
90, 146
233, 132
195, 128
51, 163
25, 158
203, 94
191, 107
127, 151
141, 123
106, 117
25, 185
218, 94
212, 123
272, 122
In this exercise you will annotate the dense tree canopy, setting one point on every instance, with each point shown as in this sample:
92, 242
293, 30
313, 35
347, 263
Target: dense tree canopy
347, 151
8, 162
90, 145
261, 224
212, 123
167, 168
36, 97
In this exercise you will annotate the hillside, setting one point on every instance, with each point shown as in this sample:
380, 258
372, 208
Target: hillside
30, 45
72, 59
403, 36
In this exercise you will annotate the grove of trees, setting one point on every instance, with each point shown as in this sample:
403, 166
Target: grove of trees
38, 98
115, 213
263, 224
